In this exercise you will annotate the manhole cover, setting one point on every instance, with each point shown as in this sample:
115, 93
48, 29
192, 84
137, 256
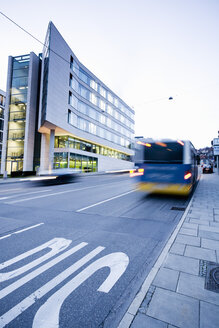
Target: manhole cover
175, 208
212, 277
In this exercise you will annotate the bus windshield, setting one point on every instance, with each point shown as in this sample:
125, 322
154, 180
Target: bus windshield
162, 152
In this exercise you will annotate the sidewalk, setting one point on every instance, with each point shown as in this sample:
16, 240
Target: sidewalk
182, 289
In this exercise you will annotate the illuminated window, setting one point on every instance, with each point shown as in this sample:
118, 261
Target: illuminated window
102, 105
102, 119
93, 85
93, 98
110, 97
92, 128
102, 92
109, 110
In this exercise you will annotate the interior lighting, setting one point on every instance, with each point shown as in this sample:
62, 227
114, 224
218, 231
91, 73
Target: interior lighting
144, 143
161, 144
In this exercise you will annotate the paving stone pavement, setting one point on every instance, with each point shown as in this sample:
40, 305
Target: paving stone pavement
178, 294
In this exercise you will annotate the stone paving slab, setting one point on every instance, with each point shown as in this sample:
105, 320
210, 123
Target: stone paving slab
197, 221
194, 286
210, 244
178, 248
143, 321
167, 279
209, 315
190, 232
188, 240
200, 253
182, 263
176, 309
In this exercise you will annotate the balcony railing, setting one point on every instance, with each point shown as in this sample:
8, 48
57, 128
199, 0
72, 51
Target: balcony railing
16, 136
17, 117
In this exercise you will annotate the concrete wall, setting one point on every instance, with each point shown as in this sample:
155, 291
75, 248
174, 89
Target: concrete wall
44, 153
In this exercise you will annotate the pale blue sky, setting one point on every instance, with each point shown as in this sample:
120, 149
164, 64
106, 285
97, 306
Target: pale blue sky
145, 51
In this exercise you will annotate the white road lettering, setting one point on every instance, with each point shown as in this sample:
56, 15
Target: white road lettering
39, 293
48, 314
9, 289
57, 245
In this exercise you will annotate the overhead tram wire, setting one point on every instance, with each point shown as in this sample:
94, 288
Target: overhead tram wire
36, 39
50, 49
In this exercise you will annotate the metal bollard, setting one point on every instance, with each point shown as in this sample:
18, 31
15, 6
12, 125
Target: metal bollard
5, 175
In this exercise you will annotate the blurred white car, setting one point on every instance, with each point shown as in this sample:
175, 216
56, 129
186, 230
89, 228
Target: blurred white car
58, 176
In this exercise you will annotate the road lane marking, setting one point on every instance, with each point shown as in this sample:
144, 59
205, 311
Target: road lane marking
104, 201
39, 293
19, 231
3, 191
28, 193
59, 193
48, 313
56, 245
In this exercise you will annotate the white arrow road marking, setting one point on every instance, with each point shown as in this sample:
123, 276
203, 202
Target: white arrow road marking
48, 314
39, 293
19, 231
57, 245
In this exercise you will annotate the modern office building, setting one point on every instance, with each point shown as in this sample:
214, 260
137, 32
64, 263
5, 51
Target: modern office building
2, 108
81, 122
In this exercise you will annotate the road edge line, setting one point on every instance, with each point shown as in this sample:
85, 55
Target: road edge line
133, 308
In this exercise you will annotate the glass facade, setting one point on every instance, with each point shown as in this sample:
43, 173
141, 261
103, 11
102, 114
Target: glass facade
2, 107
17, 113
75, 161
70, 142
106, 115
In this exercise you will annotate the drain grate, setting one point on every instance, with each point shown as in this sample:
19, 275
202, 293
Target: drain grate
210, 270
175, 208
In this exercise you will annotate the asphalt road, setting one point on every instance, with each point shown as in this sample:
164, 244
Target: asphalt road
75, 255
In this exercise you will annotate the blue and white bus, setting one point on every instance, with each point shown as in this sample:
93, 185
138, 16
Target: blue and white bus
165, 166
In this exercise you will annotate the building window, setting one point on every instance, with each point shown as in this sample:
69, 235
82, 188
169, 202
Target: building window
93, 85
110, 97
102, 92
93, 98
102, 105
71, 62
70, 80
